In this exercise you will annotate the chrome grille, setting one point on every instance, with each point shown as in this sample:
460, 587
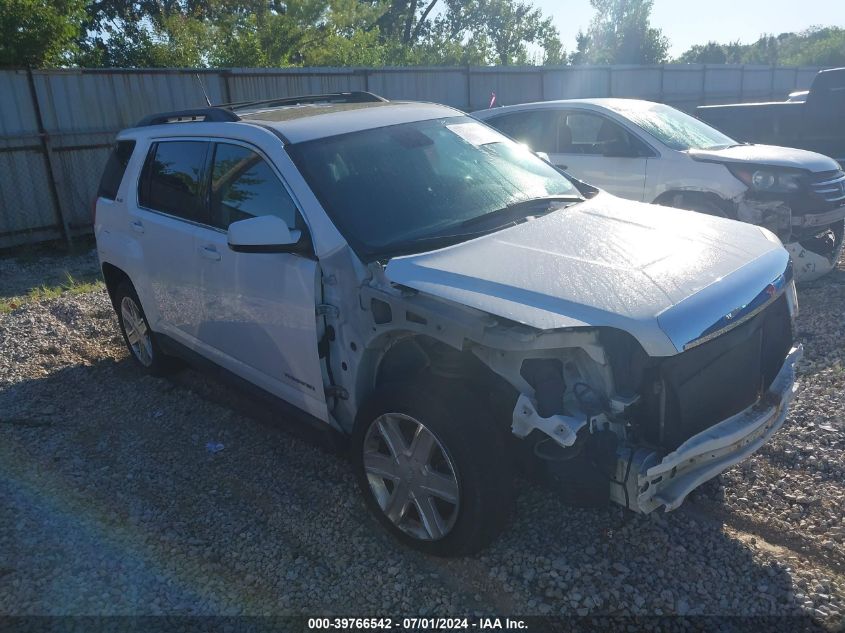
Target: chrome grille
831, 186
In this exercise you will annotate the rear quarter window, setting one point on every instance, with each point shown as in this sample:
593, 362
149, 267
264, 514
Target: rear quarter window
115, 168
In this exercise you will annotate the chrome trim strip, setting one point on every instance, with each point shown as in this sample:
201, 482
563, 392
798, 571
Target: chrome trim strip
822, 183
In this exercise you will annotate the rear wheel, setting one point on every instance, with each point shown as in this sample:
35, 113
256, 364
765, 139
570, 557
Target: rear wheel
430, 467
137, 334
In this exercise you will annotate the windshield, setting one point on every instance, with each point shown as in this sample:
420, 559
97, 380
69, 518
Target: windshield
419, 181
674, 128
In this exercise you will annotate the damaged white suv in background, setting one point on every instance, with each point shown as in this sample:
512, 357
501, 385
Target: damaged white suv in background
415, 280
652, 152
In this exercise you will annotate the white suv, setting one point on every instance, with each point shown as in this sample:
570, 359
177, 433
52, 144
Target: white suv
422, 284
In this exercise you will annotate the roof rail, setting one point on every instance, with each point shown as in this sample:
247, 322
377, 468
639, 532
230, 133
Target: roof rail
358, 96
208, 115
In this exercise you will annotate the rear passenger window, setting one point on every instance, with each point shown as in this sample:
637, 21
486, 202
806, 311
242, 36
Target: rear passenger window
537, 129
115, 168
172, 179
244, 186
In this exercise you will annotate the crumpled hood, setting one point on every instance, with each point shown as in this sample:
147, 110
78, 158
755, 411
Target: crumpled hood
768, 155
664, 275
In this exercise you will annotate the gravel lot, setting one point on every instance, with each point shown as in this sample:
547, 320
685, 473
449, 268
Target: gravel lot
111, 503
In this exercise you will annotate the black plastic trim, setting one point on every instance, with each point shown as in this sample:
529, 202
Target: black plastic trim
206, 115
357, 96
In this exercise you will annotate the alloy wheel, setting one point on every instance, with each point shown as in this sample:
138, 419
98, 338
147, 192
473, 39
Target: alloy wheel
411, 476
137, 332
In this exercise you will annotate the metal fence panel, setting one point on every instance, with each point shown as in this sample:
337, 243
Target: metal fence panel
255, 85
636, 82
722, 84
17, 116
440, 85
514, 85
683, 86
99, 101
27, 213
576, 82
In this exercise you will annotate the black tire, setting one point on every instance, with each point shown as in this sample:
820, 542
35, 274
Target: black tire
159, 363
475, 448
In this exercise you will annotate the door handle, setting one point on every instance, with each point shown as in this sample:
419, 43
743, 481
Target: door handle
137, 226
209, 252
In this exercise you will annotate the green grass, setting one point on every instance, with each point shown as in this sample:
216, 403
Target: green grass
70, 286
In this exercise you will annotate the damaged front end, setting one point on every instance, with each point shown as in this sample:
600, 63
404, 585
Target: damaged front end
810, 222
652, 429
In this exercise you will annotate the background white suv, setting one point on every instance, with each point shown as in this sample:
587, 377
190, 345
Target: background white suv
654, 153
453, 304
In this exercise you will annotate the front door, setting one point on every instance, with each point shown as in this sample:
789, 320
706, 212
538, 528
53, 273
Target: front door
258, 309
601, 152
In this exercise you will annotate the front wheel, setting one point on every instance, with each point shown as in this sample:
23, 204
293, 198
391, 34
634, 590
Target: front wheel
431, 467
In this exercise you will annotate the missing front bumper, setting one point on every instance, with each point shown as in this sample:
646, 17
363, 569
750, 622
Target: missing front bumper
651, 483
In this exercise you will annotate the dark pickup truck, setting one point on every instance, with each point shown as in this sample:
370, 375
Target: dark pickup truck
817, 123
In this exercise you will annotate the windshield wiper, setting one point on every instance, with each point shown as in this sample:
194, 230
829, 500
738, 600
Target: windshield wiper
434, 242
514, 208
422, 244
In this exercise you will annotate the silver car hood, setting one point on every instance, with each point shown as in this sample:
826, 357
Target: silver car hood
664, 275
768, 155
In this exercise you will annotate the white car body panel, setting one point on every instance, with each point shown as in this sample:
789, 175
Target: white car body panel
258, 315
604, 262
768, 155
624, 177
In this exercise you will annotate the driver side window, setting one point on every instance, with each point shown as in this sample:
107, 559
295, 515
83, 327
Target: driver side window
596, 135
244, 186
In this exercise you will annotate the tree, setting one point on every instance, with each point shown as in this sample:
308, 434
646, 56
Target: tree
39, 32
710, 53
814, 47
621, 33
511, 25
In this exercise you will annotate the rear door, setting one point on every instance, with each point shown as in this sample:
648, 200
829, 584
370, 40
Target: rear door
258, 309
598, 150
165, 224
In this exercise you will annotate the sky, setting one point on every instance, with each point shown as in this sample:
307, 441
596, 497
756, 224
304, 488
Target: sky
688, 22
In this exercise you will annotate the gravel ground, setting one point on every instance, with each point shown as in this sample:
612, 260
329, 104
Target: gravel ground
111, 503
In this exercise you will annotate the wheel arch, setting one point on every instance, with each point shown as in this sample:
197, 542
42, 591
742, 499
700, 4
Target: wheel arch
113, 277
404, 355
680, 198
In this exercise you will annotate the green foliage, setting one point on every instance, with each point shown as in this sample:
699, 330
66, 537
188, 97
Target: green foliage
275, 33
621, 33
278, 33
39, 32
814, 47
